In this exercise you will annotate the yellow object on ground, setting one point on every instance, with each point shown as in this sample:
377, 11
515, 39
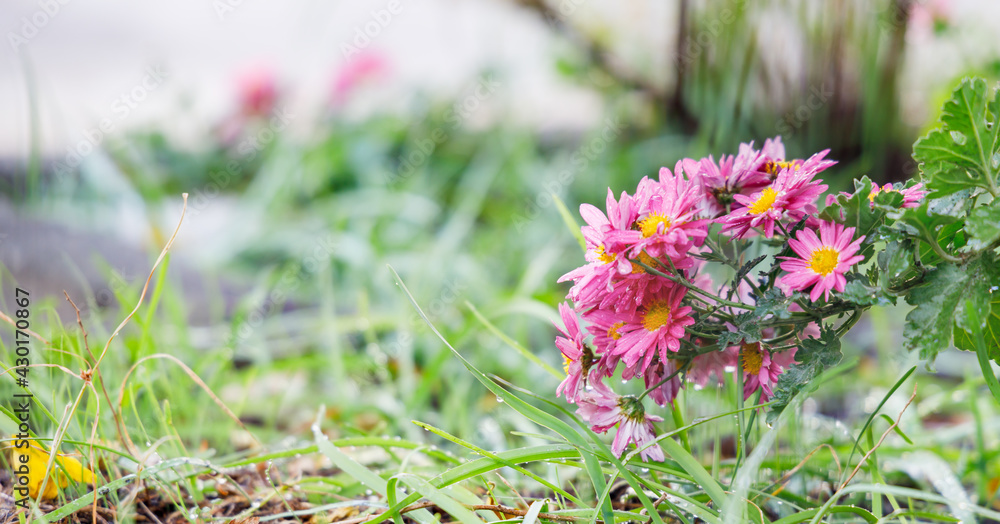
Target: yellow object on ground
37, 458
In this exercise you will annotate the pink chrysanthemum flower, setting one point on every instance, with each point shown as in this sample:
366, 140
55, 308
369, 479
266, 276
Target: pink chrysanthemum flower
824, 260
605, 262
733, 175
603, 324
577, 355
761, 369
790, 197
656, 328
628, 292
667, 225
602, 409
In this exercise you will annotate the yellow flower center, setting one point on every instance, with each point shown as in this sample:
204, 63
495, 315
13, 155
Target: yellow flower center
824, 260
613, 331
645, 259
764, 201
877, 190
566, 362
752, 357
656, 316
773, 168
603, 256
651, 224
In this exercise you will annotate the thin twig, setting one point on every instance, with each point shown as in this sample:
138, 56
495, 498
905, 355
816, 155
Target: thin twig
879, 443
10, 321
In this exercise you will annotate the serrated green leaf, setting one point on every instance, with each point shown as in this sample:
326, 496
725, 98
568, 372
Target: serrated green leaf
954, 205
747, 329
858, 292
983, 225
922, 223
983, 295
812, 358
929, 325
941, 302
775, 303
895, 261
964, 151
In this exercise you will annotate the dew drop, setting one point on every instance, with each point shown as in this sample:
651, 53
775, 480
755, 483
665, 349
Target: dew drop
500, 400
958, 137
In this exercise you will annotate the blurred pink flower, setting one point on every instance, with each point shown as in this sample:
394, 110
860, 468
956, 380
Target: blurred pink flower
911, 195
360, 67
257, 89
716, 363
666, 392
927, 16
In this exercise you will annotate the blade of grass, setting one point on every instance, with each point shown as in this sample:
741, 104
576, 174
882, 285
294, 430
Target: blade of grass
355, 469
803, 516
571, 223
485, 465
444, 434
533, 510
439, 497
512, 343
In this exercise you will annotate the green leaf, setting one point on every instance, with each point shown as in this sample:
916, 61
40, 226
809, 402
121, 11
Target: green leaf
929, 226
857, 210
812, 358
747, 329
940, 304
929, 325
964, 339
896, 263
775, 303
982, 352
858, 292
983, 225
536, 415
964, 151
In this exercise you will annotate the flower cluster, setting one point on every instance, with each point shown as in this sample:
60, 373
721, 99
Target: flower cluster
645, 292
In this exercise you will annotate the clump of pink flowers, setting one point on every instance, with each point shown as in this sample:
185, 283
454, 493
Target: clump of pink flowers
655, 301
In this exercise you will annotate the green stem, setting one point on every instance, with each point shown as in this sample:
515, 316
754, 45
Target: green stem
679, 423
692, 287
